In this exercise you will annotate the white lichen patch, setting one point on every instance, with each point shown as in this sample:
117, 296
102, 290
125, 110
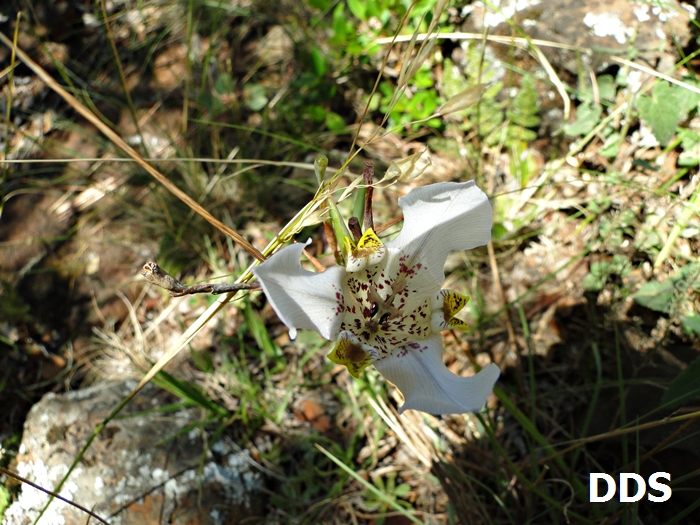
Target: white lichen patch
121, 497
176, 487
690, 8
504, 10
98, 484
663, 14
607, 24
159, 475
30, 502
642, 13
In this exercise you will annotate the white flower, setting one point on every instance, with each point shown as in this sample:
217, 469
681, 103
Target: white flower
386, 306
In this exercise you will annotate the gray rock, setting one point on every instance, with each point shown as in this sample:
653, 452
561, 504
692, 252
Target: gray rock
142, 469
606, 26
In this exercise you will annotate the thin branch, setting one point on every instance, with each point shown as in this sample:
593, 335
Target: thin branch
154, 274
388, 224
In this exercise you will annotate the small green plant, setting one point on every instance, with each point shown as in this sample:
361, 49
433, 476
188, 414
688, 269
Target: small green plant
485, 117
666, 106
523, 113
4, 499
676, 295
415, 106
391, 491
590, 109
601, 272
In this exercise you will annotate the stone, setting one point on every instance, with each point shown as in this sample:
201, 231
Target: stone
607, 26
144, 468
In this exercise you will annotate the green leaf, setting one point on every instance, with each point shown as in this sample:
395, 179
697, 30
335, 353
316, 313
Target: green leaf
321, 5
424, 79
687, 99
598, 276
4, 499
611, 146
224, 84
319, 62
335, 122
358, 8
684, 389
402, 490
662, 111
691, 323
315, 112
690, 146
606, 87
341, 27
498, 230
620, 265
656, 296
257, 328
627, 218
188, 391
587, 117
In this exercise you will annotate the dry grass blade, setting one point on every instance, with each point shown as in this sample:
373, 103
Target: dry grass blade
120, 70
464, 99
10, 70
525, 42
396, 424
553, 78
692, 416
654, 73
119, 142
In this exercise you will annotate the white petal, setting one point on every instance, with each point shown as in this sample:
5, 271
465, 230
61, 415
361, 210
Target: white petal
355, 264
303, 299
426, 383
440, 218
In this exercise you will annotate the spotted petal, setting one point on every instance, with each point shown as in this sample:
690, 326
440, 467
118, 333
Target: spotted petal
445, 305
302, 299
426, 383
439, 218
349, 351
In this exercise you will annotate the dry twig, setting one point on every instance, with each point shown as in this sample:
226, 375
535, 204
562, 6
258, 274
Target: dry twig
154, 274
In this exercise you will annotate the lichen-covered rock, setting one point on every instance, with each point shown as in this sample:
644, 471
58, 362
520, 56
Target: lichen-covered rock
608, 26
142, 469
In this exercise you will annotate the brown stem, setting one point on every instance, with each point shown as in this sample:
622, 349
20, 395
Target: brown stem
154, 274
354, 227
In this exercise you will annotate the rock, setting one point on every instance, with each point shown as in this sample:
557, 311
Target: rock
604, 25
143, 469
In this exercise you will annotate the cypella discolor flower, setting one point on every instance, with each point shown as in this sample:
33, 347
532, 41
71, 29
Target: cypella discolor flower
386, 306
